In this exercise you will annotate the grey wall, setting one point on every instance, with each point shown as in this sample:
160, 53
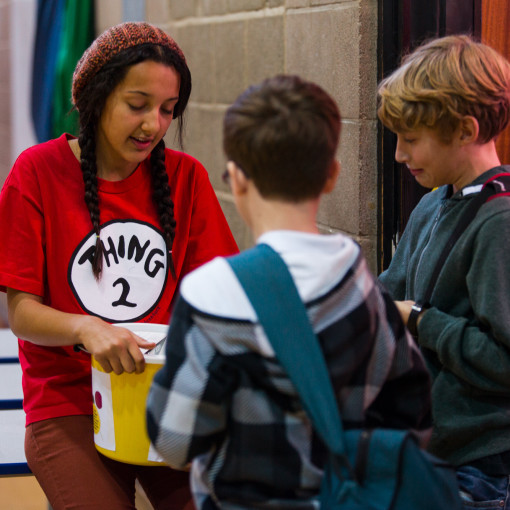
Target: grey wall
231, 44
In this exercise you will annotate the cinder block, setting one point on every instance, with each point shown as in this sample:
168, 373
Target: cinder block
4, 172
195, 42
294, 4
275, 3
323, 46
369, 249
5, 75
174, 31
228, 44
315, 3
368, 245
239, 230
368, 58
368, 188
5, 103
179, 9
204, 140
6, 158
245, 5
214, 7
340, 208
248, 241
171, 136
5, 29
264, 48
352, 206
157, 11
107, 14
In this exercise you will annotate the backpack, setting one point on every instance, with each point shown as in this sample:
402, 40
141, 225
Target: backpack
380, 469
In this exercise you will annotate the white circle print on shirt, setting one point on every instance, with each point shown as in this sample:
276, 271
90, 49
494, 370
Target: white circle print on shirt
134, 273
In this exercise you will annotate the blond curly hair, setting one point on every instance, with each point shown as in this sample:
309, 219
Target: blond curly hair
441, 82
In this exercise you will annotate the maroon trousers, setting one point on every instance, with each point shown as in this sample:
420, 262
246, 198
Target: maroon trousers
74, 475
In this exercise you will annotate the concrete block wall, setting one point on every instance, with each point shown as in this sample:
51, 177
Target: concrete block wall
230, 44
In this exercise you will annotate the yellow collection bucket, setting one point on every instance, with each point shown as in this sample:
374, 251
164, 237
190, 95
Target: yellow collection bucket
119, 403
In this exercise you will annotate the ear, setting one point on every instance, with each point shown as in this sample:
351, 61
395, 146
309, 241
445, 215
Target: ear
334, 171
238, 180
469, 130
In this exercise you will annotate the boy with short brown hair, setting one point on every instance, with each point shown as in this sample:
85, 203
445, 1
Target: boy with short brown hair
223, 401
447, 103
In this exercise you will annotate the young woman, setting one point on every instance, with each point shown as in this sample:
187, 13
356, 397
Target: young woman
100, 230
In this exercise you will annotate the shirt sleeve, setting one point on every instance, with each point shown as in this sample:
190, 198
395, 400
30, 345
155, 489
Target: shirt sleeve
404, 401
394, 278
189, 399
22, 230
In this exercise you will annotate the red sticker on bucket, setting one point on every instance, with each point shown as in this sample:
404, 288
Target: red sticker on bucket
98, 400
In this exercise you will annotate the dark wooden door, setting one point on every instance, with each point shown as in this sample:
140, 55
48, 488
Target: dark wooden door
495, 26
404, 24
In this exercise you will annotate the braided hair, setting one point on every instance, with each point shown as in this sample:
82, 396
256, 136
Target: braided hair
90, 103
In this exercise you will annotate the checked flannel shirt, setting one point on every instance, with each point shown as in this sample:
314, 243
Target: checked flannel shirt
223, 402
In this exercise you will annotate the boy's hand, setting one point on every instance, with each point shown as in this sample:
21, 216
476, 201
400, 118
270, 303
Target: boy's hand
115, 348
404, 308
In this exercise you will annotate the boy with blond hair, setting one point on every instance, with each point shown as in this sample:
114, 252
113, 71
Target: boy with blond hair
447, 103
223, 401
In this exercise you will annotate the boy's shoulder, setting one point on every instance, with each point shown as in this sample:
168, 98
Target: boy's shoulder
213, 289
494, 215
317, 263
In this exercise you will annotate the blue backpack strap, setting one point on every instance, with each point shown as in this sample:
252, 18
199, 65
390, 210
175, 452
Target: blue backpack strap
274, 297
393, 471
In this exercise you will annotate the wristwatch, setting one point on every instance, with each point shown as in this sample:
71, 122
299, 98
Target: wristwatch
412, 321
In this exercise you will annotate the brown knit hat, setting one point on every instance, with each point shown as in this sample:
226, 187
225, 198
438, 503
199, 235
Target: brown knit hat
113, 41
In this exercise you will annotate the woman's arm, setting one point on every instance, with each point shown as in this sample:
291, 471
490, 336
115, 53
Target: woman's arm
197, 385
3, 311
116, 349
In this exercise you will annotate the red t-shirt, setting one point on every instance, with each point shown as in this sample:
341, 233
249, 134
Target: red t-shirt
47, 240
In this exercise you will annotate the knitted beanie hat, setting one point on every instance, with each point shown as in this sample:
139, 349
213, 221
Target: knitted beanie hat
113, 41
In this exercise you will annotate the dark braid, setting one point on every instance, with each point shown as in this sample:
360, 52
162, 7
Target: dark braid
87, 141
162, 199
90, 107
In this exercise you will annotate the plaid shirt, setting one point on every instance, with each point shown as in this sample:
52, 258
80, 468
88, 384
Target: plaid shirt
224, 403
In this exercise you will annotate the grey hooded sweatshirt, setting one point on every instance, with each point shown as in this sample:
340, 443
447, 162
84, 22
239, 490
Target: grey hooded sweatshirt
465, 335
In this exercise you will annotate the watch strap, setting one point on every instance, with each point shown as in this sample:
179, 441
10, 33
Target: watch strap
412, 321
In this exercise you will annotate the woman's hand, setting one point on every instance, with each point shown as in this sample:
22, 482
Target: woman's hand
116, 349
